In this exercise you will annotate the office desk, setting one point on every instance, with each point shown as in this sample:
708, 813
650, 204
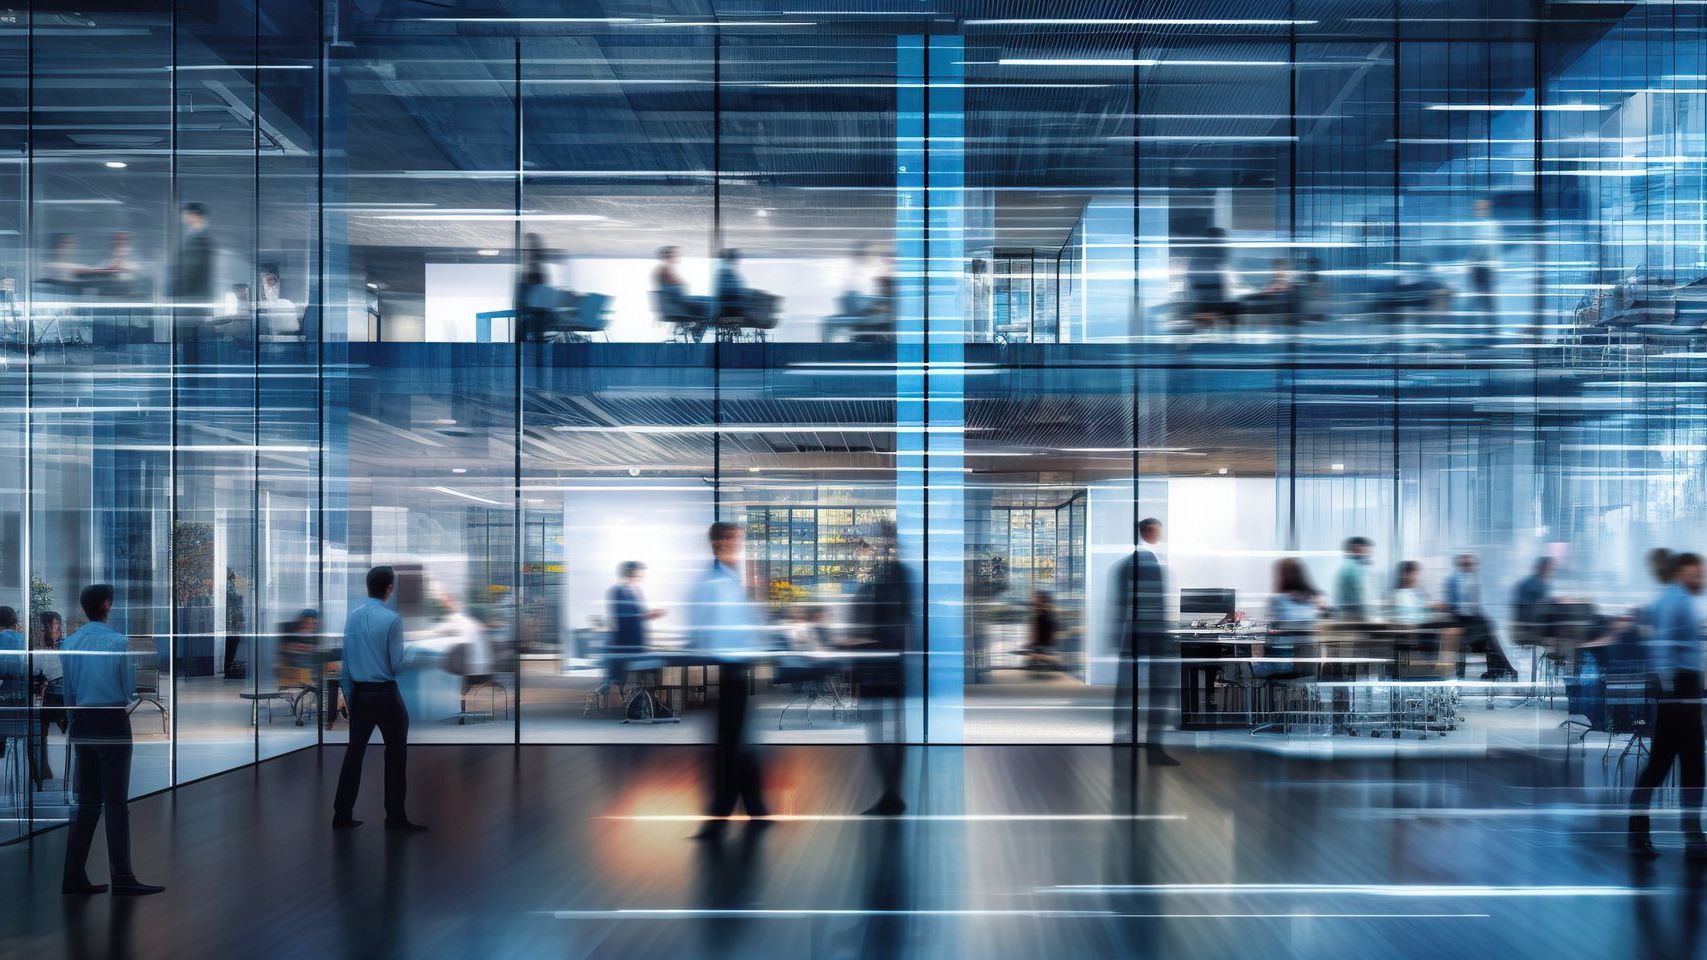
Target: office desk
1201, 653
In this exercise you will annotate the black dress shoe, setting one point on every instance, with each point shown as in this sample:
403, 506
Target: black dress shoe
404, 826
1159, 758
886, 807
81, 889
1642, 848
344, 823
135, 888
712, 831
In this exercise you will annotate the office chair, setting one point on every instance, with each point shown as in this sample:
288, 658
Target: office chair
456, 662
688, 315
148, 689
552, 313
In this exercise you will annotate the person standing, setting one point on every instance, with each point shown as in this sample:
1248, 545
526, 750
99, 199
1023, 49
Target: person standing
724, 629
373, 656
1141, 593
50, 685
629, 616
1351, 583
883, 618
99, 681
13, 658
1674, 680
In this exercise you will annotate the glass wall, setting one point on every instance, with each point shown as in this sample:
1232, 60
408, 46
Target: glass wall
515, 305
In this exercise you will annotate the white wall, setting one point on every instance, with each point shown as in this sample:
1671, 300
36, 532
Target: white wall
457, 291
660, 523
1221, 532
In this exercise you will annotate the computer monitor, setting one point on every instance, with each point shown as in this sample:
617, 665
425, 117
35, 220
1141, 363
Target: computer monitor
1200, 603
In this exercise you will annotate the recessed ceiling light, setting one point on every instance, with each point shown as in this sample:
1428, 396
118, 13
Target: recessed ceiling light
1222, 471
1336, 467
458, 469
489, 252
116, 164
373, 286
761, 213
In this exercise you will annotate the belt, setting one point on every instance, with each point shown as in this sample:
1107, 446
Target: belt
373, 684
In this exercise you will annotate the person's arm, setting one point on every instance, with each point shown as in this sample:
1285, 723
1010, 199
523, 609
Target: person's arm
127, 670
394, 645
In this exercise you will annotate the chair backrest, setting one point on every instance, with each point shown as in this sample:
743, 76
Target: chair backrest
456, 659
591, 312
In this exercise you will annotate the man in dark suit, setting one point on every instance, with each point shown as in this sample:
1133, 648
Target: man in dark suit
192, 279
883, 624
1140, 590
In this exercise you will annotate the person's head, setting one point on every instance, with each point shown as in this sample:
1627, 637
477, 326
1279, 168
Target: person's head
240, 291
1466, 563
1659, 564
1544, 567
8, 618
730, 255
64, 244
1041, 599
1291, 578
630, 571
1150, 530
1483, 206
96, 601
1686, 571
194, 215
52, 626
269, 277
120, 242
817, 615
725, 540
1407, 573
308, 621
668, 255
1359, 548
381, 580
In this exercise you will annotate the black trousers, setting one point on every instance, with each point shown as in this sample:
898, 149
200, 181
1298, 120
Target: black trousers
1678, 738
886, 734
102, 747
1478, 637
735, 773
1146, 676
375, 705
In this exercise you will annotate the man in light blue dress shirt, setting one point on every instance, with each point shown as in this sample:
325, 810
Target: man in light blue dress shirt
725, 627
1673, 651
373, 657
1351, 583
99, 681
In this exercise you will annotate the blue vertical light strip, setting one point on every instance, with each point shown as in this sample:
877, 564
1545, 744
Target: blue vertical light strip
910, 513
945, 387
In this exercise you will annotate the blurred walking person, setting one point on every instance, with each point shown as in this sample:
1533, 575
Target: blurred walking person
724, 628
883, 615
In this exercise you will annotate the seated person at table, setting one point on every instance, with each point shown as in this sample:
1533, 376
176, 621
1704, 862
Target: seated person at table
61, 267
1293, 609
1534, 594
1464, 603
1045, 632
1411, 605
118, 271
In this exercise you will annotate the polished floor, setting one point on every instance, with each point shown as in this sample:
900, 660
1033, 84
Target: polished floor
567, 851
